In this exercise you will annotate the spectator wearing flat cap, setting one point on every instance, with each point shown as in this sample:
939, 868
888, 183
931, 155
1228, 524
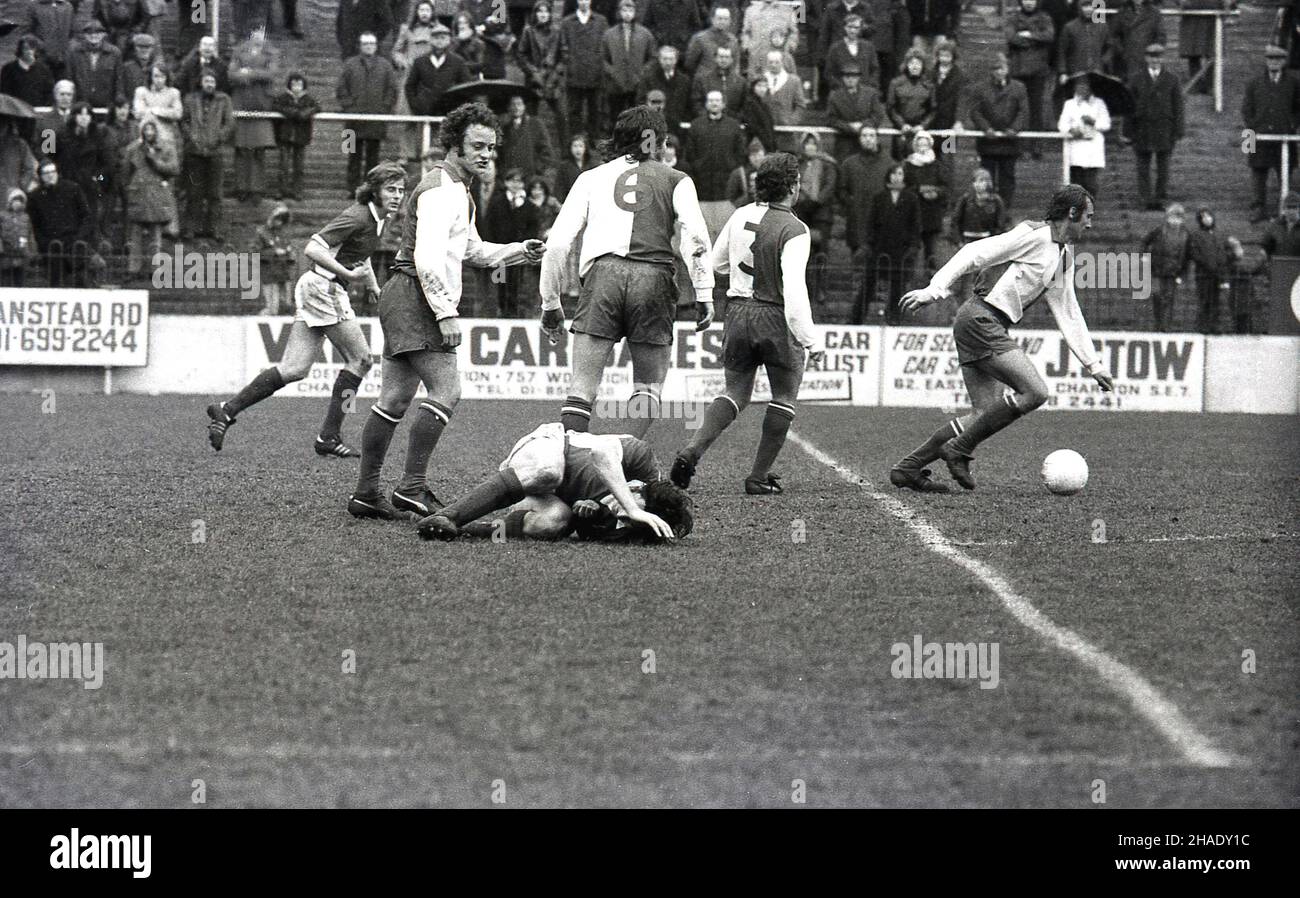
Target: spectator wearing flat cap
852, 105
432, 76
1271, 106
96, 67
1156, 124
1136, 27
852, 50
143, 53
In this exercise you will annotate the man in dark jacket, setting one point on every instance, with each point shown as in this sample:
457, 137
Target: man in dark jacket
626, 48
62, 223
673, 21
1083, 45
1000, 106
51, 22
852, 106
27, 77
1283, 235
1132, 30
582, 35
294, 132
663, 74
525, 144
721, 76
1156, 124
715, 147
356, 17
208, 125
1270, 106
433, 75
203, 56
96, 68
368, 85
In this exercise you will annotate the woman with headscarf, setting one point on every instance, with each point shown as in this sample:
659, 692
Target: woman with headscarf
924, 175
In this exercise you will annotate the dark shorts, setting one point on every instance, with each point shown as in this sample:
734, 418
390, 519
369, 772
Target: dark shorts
407, 320
981, 332
756, 334
625, 298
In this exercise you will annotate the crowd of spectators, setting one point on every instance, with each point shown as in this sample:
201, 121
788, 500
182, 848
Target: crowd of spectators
735, 80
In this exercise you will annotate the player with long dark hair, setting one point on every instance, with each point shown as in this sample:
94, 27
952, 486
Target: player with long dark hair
1038, 262
630, 207
340, 255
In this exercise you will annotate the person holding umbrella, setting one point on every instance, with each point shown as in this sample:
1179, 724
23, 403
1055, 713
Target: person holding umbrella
1085, 119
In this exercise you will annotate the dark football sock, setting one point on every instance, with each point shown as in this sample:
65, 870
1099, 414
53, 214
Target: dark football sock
346, 386
430, 420
776, 424
721, 412
375, 437
986, 423
575, 414
501, 490
260, 387
928, 451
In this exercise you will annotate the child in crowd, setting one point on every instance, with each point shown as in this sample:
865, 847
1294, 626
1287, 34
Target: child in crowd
278, 269
17, 242
1170, 246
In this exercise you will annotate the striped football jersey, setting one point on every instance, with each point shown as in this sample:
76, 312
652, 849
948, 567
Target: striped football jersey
632, 209
764, 249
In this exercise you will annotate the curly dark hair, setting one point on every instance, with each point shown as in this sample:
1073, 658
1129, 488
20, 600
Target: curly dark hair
376, 178
1071, 196
776, 177
460, 119
639, 132
672, 503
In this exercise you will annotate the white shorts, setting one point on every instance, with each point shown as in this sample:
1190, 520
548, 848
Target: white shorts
538, 459
320, 301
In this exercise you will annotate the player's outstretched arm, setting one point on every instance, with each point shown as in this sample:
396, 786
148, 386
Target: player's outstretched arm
973, 257
1064, 304
607, 458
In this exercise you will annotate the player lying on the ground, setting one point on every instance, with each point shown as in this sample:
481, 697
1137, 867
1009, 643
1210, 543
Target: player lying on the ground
419, 309
1039, 259
630, 207
553, 478
765, 249
340, 254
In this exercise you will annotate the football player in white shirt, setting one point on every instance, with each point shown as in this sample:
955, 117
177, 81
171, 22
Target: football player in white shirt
418, 311
630, 207
1039, 260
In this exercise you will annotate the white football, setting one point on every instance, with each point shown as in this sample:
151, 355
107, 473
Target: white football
1065, 472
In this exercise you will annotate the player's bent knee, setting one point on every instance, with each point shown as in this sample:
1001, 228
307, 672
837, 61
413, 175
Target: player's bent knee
361, 367
1031, 399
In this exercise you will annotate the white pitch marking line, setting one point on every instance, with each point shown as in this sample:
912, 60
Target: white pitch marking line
1190, 538
1145, 698
279, 751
